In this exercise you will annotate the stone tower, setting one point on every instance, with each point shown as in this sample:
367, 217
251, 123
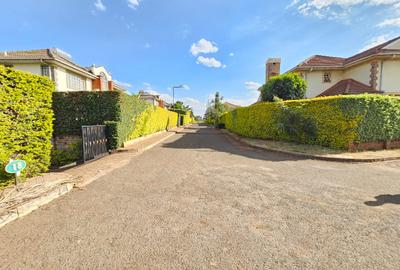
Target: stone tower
273, 68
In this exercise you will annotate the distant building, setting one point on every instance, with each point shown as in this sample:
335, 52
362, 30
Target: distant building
59, 67
152, 99
230, 107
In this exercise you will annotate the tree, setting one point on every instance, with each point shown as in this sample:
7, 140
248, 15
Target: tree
214, 110
287, 87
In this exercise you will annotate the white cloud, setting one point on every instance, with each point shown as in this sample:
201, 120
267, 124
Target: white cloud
147, 45
203, 46
133, 4
231, 54
252, 85
335, 9
390, 22
123, 84
375, 41
210, 62
99, 5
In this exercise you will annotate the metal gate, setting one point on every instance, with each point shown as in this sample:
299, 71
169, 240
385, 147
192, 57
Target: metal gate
94, 142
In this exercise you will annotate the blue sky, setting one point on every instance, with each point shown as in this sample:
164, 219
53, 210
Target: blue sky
208, 45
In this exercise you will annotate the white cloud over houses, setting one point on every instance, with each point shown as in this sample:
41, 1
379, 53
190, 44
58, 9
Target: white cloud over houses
390, 22
203, 46
375, 41
133, 4
252, 85
333, 9
99, 5
209, 62
123, 84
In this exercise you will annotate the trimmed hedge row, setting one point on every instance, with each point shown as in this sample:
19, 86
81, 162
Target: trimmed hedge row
335, 121
152, 120
72, 110
25, 120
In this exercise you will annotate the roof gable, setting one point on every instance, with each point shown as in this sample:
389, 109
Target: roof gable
319, 61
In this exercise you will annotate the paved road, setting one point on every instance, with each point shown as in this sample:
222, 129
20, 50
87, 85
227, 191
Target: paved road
201, 201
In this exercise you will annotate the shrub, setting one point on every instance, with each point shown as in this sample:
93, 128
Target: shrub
25, 120
152, 120
328, 121
288, 86
72, 110
63, 157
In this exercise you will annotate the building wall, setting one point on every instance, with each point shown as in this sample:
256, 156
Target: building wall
61, 80
315, 84
391, 76
32, 68
360, 73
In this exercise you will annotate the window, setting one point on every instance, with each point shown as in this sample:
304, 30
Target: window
103, 81
327, 77
76, 82
45, 71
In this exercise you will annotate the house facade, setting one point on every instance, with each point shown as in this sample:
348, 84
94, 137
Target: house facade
154, 100
59, 67
373, 71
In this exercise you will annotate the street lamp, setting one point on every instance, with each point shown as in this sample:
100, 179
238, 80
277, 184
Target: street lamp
173, 92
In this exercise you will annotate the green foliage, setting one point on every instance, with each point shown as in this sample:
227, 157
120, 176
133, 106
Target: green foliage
214, 110
25, 120
72, 110
152, 120
288, 86
329, 121
64, 157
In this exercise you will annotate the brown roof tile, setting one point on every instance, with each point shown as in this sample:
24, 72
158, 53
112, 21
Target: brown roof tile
338, 62
41, 54
348, 87
323, 61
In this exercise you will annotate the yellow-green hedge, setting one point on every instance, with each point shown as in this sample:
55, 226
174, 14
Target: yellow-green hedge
187, 118
152, 120
25, 120
329, 121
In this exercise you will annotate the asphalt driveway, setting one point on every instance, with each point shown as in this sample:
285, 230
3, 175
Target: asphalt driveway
202, 201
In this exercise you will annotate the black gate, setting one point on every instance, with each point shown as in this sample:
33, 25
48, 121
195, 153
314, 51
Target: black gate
94, 142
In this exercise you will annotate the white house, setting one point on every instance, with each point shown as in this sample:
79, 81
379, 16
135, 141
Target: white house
59, 67
376, 70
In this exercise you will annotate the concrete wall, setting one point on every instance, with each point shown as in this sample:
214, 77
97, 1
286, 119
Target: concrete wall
32, 68
61, 80
391, 76
360, 73
315, 84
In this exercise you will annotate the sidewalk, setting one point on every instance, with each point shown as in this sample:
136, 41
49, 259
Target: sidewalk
315, 151
41, 190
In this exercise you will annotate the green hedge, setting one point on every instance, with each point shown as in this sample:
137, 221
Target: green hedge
329, 121
25, 120
152, 120
72, 110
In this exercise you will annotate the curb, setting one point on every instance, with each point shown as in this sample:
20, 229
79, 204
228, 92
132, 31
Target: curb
34, 204
308, 156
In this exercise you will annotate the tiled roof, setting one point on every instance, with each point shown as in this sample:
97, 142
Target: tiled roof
41, 54
348, 87
375, 50
318, 61
323, 61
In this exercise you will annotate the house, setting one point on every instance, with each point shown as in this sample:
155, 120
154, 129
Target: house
372, 71
152, 99
59, 67
230, 107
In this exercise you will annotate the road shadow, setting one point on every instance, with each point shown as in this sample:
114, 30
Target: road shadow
206, 139
384, 199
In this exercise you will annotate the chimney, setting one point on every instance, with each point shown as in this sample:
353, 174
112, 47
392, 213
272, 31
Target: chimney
273, 68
